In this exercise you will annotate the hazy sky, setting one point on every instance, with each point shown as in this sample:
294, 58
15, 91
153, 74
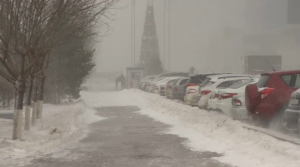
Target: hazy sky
196, 27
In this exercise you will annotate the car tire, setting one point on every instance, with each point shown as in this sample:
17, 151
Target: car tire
251, 97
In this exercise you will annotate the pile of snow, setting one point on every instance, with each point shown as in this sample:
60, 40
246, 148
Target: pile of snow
214, 132
61, 126
207, 131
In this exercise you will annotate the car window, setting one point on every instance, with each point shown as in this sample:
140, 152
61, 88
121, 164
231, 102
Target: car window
291, 80
173, 81
205, 82
263, 81
240, 84
183, 81
297, 82
286, 79
194, 80
224, 84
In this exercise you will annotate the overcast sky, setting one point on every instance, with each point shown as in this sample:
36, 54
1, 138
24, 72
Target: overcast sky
196, 25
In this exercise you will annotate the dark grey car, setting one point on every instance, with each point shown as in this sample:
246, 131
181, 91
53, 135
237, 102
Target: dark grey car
178, 89
292, 115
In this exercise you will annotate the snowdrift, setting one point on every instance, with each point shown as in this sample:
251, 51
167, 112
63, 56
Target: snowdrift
61, 126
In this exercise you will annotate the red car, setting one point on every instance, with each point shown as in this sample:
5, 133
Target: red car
267, 100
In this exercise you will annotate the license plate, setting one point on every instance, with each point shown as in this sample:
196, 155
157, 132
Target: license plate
294, 101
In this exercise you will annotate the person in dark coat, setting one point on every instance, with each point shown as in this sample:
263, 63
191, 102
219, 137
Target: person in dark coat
120, 79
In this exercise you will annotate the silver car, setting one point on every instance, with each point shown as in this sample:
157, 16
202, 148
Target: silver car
177, 88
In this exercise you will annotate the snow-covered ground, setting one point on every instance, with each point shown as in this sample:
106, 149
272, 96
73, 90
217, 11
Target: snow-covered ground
206, 131
61, 126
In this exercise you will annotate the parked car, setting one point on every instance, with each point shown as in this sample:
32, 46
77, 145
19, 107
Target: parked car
191, 95
150, 85
162, 84
177, 89
216, 83
224, 100
267, 100
198, 79
169, 87
292, 115
145, 80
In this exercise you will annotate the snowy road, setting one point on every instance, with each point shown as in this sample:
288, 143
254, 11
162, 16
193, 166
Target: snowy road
141, 129
127, 138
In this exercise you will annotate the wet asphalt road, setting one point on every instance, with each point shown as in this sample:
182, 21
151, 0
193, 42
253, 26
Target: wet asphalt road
127, 139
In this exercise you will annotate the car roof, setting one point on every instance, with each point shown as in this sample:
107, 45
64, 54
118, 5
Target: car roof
281, 72
208, 74
227, 77
174, 74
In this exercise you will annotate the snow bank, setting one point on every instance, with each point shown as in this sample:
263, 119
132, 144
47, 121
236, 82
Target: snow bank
61, 126
214, 132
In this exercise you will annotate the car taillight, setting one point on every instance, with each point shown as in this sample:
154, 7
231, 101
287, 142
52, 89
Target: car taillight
169, 87
175, 89
162, 88
192, 91
236, 102
227, 95
216, 96
191, 84
264, 93
205, 92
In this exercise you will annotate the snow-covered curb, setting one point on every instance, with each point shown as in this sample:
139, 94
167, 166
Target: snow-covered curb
61, 126
214, 132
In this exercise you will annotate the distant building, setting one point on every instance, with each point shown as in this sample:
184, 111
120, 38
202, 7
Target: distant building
293, 12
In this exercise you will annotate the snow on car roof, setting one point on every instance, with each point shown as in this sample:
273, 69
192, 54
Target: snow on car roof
224, 76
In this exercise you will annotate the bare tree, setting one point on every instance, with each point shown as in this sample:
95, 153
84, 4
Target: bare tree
29, 29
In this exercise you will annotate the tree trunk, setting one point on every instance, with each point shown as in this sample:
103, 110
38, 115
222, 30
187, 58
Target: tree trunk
41, 96
20, 86
4, 100
34, 106
19, 95
27, 109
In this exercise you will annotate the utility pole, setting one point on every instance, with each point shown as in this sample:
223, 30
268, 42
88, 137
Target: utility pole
165, 35
132, 57
169, 35
134, 33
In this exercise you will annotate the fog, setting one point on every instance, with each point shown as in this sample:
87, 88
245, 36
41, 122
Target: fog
214, 34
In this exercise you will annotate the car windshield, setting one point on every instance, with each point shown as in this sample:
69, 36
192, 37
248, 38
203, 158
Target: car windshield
205, 82
241, 83
195, 80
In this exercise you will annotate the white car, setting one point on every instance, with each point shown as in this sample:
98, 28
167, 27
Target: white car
144, 81
162, 84
225, 101
149, 87
191, 95
216, 83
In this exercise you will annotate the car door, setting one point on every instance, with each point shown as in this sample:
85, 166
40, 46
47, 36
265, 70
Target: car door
180, 86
